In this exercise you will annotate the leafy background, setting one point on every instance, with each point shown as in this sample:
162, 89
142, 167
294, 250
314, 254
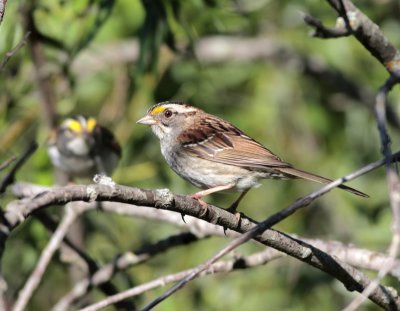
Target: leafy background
310, 120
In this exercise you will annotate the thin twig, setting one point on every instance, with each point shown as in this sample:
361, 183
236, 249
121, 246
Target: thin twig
48, 97
17, 211
352, 255
6, 163
368, 34
106, 287
14, 50
36, 276
259, 229
320, 31
394, 194
163, 199
2, 9
251, 261
121, 262
10, 177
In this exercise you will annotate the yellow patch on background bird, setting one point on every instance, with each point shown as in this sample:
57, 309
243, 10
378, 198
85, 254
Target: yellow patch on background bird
157, 110
74, 125
91, 124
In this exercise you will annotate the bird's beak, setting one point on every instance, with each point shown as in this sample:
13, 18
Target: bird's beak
147, 120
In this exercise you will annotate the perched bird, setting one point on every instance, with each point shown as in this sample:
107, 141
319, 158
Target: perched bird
80, 147
214, 155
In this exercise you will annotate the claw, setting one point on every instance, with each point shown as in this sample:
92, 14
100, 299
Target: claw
183, 217
204, 205
238, 215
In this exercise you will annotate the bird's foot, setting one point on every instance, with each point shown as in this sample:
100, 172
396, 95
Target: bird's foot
238, 215
204, 205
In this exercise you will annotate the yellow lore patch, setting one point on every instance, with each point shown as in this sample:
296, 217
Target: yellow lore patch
74, 125
157, 110
91, 124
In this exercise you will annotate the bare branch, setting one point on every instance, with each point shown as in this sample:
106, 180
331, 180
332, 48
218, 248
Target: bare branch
38, 57
106, 287
353, 279
122, 262
369, 34
36, 276
366, 32
354, 256
2, 9
320, 31
9, 178
6, 163
379, 295
14, 50
394, 192
251, 261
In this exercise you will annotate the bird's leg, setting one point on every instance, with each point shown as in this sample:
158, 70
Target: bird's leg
234, 205
198, 195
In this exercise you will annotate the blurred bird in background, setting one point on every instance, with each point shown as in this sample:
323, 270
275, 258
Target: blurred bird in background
80, 147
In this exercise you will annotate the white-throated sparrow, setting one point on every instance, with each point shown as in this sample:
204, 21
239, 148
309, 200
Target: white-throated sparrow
215, 155
80, 147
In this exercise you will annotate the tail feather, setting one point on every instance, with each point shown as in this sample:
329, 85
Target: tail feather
293, 172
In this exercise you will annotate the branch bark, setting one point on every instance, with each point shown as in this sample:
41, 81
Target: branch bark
353, 21
2, 9
163, 199
251, 261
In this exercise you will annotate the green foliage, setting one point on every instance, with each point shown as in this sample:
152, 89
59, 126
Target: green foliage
309, 121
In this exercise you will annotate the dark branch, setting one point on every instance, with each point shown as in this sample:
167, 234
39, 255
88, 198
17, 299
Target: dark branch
378, 294
2, 9
38, 57
369, 35
11, 53
122, 262
247, 262
6, 163
320, 31
163, 199
10, 177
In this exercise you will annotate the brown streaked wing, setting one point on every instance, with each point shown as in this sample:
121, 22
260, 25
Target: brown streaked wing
219, 141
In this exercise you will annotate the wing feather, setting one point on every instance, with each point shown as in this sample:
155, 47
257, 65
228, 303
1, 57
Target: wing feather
216, 140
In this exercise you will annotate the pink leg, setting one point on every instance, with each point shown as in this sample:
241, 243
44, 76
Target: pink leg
198, 195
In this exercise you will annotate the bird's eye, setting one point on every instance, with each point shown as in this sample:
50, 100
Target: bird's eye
168, 113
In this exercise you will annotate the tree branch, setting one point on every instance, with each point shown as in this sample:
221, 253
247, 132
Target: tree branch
353, 279
366, 32
14, 50
251, 261
320, 31
36, 276
352, 255
369, 34
10, 176
42, 77
122, 262
2, 9
6, 163
340, 271
394, 192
